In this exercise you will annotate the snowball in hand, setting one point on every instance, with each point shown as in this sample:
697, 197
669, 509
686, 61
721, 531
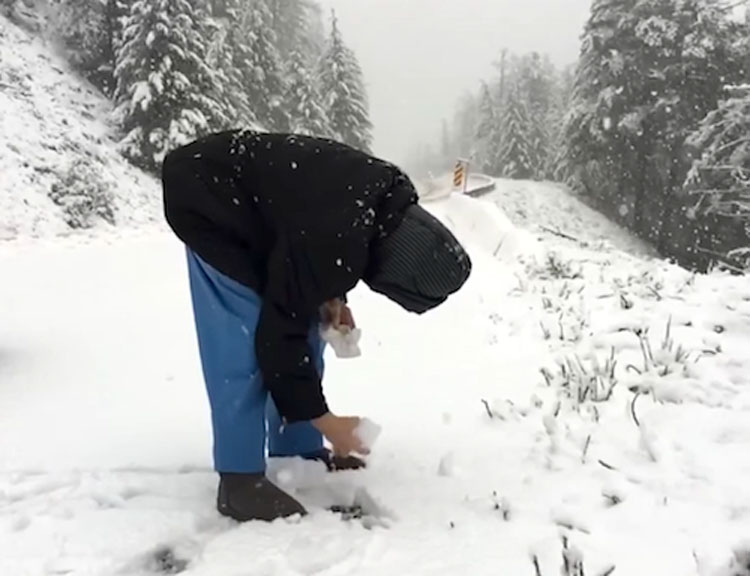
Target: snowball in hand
344, 343
367, 432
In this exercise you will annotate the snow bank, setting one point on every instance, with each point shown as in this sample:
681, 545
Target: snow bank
53, 137
482, 226
548, 209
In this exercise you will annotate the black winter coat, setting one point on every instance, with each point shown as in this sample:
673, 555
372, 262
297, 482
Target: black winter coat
293, 218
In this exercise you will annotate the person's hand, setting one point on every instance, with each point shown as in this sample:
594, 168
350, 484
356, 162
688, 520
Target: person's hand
339, 430
346, 319
336, 313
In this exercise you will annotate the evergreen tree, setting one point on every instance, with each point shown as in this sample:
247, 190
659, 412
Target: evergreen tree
303, 101
523, 98
90, 31
554, 168
649, 70
165, 90
535, 76
344, 94
721, 174
258, 60
298, 27
603, 82
228, 52
486, 132
515, 155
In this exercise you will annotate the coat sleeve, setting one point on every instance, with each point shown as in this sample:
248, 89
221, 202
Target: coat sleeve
282, 345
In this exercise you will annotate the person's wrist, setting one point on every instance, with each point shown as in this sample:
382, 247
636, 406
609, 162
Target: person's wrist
323, 423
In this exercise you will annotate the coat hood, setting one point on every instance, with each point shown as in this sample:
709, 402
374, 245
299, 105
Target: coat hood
419, 263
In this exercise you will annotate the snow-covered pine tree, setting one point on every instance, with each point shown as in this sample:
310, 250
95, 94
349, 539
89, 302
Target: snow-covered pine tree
226, 53
649, 71
720, 177
165, 91
692, 44
303, 101
344, 95
297, 27
515, 154
554, 169
485, 134
722, 171
90, 31
536, 77
258, 60
604, 80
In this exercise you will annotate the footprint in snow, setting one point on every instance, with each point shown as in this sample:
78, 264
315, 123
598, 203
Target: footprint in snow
164, 561
160, 560
20, 524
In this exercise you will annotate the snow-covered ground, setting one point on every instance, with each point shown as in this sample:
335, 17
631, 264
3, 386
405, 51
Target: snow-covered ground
550, 210
52, 133
568, 394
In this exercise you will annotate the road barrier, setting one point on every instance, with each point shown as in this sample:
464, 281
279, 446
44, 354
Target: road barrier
436, 188
480, 184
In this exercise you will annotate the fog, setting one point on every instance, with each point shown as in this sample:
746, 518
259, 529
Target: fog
419, 56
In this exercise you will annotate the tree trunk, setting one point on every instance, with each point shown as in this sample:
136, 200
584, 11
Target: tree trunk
642, 171
669, 198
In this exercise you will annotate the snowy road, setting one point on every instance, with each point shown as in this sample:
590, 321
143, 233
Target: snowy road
105, 446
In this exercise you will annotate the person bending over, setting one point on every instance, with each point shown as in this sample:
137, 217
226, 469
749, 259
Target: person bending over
278, 228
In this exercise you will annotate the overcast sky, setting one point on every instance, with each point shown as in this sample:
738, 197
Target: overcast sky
419, 56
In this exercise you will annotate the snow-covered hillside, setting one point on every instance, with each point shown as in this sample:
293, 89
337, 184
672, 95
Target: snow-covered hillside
54, 141
570, 396
545, 209
550, 210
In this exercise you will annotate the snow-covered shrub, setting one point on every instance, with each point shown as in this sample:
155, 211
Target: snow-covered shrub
553, 267
559, 268
742, 256
669, 358
583, 380
572, 562
84, 195
566, 314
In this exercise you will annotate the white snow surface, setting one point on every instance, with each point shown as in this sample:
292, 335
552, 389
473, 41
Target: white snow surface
50, 118
548, 209
482, 464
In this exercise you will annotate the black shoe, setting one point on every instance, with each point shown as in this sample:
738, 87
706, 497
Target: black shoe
247, 497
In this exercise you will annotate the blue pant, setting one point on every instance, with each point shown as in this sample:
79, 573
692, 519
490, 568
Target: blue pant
226, 314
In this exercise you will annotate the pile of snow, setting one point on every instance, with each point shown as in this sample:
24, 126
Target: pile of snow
571, 406
482, 226
58, 162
